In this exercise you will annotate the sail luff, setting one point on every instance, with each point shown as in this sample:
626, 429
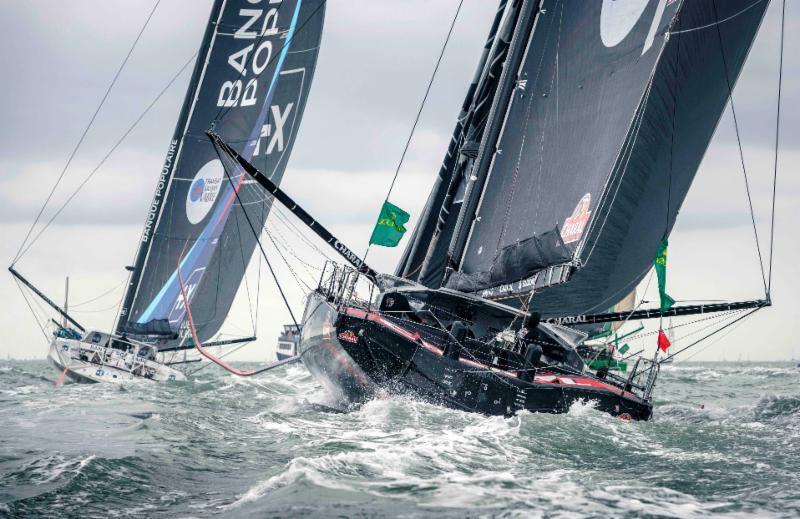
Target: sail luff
473, 192
410, 265
434, 260
162, 187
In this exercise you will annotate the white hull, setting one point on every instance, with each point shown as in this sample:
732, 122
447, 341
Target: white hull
89, 363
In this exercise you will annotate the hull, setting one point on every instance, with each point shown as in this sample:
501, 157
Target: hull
356, 354
85, 363
283, 356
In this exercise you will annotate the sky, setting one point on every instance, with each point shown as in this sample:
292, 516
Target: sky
374, 64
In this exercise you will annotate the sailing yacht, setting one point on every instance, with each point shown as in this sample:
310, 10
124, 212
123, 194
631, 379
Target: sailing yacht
576, 145
255, 67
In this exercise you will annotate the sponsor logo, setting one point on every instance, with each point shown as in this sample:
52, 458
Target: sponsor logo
178, 310
348, 336
347, 253
203, 191
576, 223
260, 38
572, 319
155, 205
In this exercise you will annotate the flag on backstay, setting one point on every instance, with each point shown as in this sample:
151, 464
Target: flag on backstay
660, 264
663, 341
389, 229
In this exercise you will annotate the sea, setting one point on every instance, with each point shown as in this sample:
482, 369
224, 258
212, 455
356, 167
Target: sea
724, 441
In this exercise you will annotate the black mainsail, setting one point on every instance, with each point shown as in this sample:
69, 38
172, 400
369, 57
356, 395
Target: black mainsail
612, 108
250, 84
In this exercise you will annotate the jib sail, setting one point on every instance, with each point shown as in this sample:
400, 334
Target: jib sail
250, 84
613, 106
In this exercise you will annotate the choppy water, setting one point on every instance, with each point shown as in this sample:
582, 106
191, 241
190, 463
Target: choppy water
260, 447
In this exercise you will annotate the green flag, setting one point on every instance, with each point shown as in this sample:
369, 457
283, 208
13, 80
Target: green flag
389, 229
661, 271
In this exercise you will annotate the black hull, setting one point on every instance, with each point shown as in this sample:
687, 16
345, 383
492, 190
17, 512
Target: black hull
356, 354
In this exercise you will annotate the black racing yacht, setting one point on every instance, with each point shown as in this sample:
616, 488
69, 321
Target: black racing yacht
577, 142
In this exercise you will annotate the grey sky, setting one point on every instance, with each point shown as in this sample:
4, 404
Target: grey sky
375, 61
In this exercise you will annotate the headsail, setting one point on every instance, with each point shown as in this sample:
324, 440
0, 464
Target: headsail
614, 105
250, 83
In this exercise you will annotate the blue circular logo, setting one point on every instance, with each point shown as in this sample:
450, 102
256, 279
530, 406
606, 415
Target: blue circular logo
197, 190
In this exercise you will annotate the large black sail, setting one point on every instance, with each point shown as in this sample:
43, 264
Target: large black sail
250, 83
615, 104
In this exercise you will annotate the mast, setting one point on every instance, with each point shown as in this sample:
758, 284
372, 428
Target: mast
440, 199
66, 301
523, 33
154, 213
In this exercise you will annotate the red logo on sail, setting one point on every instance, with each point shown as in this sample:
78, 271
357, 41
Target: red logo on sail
576, 223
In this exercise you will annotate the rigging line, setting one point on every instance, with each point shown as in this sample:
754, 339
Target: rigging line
777, 143
718, 22
639, 304
255, 234
107, 155
224, 110
33, 313
721, 317
244, 271
421, 107
715, 341
96, 311
92, 300
741, 151
281, 240
300, 283
698, 341
83, 135
672, 145
283, 218
264, 214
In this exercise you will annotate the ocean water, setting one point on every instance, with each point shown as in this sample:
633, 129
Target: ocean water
725, 440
